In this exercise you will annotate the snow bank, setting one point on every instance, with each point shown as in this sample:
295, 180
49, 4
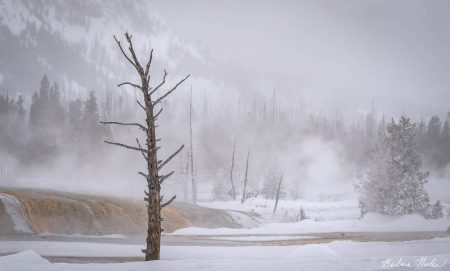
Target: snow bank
263, 238
14, 210
27, 257
336, 256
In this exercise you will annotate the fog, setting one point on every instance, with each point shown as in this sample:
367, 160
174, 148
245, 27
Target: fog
306, 85
341, 55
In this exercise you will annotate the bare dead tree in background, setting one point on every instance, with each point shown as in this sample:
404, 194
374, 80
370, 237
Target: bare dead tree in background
273, 106
278, 194
150, 149
244, 196
194, 184
233, 188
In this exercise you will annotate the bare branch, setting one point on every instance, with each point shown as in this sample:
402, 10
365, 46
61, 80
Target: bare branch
126, 124
160, 84
130, 48
145, 176
164, 177
147, 68
168, 202
124, 146
170, 91
123, 52
143, 108
130, 84
143, 153
170, 158
157, 114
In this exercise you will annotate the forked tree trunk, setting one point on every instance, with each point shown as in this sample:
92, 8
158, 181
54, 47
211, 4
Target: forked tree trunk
150, 150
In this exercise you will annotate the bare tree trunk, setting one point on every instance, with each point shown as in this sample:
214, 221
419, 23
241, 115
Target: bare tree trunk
194, 184
244, 190
233, 188
278, 194
154, 179
185, 166
273, 107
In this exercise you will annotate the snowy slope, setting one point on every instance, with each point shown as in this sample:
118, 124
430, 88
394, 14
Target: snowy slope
72, 42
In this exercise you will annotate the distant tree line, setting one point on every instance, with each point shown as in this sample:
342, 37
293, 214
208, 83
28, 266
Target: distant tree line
50, 124
50, 127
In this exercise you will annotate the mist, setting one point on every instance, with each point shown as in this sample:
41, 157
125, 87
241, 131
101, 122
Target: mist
303, 134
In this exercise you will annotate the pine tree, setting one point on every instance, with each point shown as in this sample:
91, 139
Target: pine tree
46, 112
393, 183
444, 156
270, 185
75, 120
301, 214
434, 130
93, 131
436, 210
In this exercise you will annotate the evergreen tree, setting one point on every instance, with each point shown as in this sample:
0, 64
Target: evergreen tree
92, 129
75, 120
436, 210
434, 130
46, 112
270, 185
444, 156
393, 183
301, 214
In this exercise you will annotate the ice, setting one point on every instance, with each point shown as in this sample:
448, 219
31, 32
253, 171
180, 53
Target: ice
313, 251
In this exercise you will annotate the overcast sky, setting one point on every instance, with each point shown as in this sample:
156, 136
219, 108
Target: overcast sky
334, 53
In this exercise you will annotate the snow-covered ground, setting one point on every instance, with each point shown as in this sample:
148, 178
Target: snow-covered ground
287, 210
322, 217
371, 222
431, 254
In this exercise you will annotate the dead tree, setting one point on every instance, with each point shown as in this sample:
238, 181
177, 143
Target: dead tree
278, 194
245, 179
233, 188
150, 149
194, 184
273, 106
